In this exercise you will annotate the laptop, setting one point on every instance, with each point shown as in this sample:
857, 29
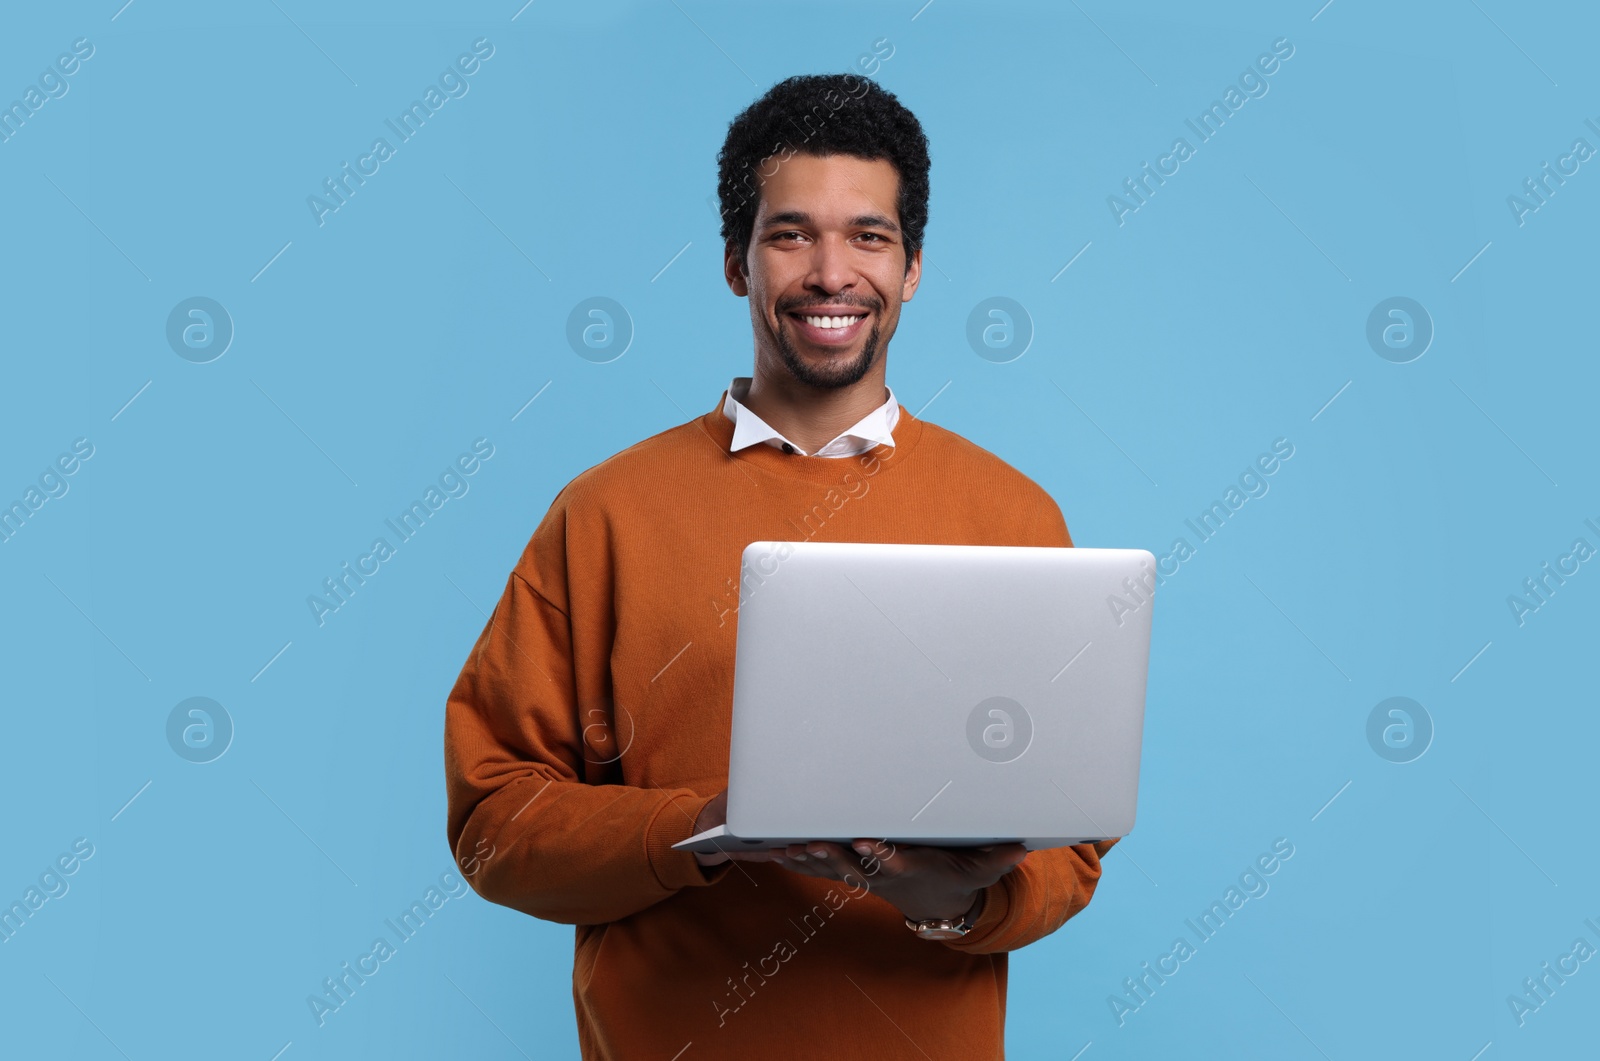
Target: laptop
954, 695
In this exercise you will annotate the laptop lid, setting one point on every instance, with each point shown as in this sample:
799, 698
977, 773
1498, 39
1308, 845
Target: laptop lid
939, 693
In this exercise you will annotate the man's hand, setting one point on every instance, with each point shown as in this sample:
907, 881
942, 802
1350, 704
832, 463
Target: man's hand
922, 882
712, 815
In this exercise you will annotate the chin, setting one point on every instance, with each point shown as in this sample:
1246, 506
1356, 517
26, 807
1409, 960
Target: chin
820, 367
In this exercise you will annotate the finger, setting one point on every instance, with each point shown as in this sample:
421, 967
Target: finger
879, 857
969, 864
820, 850
819, 858
989, 854
753, 854
805, 867
1005, 855
839, 858
974, 862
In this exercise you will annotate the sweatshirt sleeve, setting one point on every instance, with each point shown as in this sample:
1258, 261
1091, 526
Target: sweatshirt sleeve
1035, 898
527, 823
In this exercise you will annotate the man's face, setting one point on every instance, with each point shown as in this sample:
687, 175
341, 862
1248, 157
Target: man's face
826, 244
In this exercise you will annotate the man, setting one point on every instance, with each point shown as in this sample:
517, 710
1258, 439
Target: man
588, 731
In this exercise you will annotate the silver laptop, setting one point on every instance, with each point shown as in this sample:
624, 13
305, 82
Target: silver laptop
958, 695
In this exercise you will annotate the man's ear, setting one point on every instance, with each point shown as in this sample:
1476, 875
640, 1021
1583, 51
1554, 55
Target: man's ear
913, 276
734, 272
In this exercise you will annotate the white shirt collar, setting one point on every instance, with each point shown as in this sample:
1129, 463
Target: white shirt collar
749, 429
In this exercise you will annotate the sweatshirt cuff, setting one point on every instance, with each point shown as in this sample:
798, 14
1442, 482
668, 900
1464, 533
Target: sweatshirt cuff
674, 823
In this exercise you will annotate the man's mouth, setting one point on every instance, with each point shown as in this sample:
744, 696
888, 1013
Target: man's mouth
829, 329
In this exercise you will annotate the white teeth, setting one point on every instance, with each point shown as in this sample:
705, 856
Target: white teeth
833, 323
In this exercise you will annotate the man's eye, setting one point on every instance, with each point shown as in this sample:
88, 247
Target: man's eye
874, 235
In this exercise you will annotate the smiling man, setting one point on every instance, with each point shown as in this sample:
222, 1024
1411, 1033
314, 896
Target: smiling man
588, 730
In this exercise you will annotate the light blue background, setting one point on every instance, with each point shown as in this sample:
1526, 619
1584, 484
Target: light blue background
1224, 314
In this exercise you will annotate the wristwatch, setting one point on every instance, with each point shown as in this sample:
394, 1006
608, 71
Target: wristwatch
946, 927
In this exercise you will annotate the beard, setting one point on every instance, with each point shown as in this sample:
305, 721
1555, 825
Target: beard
839, 370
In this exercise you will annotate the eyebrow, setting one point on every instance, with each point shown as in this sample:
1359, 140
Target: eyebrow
800, 217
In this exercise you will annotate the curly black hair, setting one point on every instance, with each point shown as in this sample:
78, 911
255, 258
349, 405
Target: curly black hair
822, 114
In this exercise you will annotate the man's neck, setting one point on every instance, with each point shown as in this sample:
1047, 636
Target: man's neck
811, 417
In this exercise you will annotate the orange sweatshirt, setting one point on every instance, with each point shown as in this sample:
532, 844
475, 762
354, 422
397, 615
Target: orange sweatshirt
590, 725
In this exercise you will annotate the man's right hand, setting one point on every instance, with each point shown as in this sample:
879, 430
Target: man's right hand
712, 815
